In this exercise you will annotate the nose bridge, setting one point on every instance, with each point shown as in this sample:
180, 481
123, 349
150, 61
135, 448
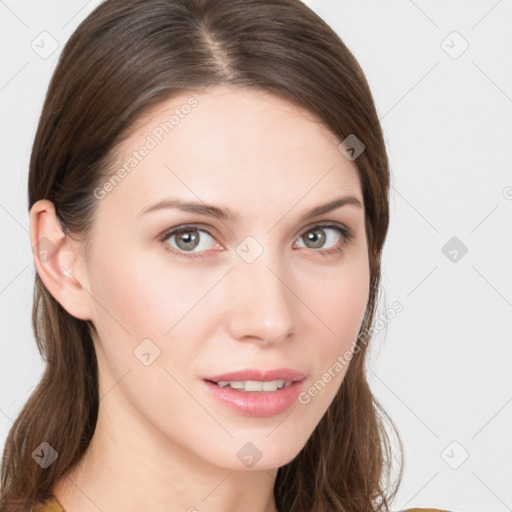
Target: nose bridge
262, 304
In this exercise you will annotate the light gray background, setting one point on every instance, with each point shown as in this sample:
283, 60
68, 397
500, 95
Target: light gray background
442, 368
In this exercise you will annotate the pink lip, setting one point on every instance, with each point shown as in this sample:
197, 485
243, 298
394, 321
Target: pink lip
261, 404
258, 374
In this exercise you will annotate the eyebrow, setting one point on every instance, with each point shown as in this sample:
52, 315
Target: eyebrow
227, 215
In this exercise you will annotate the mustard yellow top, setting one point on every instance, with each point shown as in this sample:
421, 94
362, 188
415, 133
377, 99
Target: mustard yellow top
52, 505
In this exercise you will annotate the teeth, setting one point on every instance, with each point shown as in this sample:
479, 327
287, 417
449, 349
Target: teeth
254, 385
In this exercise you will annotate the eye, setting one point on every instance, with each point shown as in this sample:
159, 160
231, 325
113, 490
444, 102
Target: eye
188, 238
316, 237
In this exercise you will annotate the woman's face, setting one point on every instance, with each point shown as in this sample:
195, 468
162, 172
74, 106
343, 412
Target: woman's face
259, 287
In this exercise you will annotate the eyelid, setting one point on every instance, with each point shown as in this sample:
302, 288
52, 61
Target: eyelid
184, 227
324, 224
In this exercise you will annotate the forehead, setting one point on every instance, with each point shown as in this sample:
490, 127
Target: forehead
243, 148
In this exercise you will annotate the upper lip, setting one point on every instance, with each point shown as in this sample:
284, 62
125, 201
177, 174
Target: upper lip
259, 374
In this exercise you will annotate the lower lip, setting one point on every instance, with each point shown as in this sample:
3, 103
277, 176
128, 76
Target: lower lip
262, 404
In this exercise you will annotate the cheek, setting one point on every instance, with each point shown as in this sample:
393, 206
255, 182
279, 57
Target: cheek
135, 305
341, 308
139, 295
349, 311
339, 300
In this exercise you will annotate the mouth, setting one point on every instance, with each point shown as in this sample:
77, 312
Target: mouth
251, 379
252, 386
250, 393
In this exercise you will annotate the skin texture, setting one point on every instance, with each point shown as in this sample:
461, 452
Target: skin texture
161, 439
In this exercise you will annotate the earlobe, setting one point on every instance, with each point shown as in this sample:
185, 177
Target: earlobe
56, 262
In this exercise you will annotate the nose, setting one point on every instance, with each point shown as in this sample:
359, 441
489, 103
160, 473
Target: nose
262, 305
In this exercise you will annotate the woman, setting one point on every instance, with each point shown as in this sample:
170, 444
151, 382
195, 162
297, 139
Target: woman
208, 196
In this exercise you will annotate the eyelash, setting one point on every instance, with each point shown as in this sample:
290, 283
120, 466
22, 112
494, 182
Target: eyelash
346, 233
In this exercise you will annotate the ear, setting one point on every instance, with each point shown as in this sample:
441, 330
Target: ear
58, 261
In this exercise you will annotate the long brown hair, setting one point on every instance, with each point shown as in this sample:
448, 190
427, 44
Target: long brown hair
128, 56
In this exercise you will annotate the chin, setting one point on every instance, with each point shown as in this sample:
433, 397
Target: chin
253, 453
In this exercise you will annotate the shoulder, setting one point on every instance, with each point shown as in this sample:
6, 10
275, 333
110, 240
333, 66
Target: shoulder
425, 510
50, 505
